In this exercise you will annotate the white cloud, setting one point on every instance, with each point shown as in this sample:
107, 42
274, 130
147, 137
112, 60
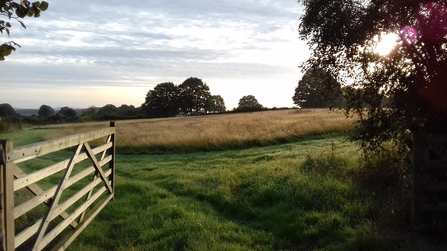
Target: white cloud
238, 47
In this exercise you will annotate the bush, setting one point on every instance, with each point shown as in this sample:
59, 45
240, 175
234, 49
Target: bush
387, 176
10, 124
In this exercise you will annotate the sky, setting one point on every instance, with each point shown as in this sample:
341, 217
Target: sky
91, 53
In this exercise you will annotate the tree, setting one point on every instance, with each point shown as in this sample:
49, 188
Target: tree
317, 89
45, 111
6, 110
216, 104
67, 112
193, 94
343, 34
88, 114
127, 110
249, 103
162, 101
107, 110
16, 10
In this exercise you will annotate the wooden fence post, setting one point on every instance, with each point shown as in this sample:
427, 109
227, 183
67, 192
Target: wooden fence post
112, 162
7, 197
2, 226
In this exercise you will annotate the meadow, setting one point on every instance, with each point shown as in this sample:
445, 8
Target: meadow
216, 132
281, 180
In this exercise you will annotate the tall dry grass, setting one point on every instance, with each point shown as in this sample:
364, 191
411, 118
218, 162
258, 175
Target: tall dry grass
218, 131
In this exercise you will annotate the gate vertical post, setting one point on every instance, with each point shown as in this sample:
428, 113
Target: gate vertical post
7, 196
112, 162
2, 221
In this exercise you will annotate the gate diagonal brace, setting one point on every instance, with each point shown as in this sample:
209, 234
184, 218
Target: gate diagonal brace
98, 167
43, 227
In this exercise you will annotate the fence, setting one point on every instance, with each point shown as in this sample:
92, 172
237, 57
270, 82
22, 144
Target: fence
428, 162
49, 207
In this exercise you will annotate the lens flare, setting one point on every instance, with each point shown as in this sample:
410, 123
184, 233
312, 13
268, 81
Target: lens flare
409, 35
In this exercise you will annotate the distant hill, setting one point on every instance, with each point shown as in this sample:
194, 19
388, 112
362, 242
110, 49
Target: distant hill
27, 112
30, 112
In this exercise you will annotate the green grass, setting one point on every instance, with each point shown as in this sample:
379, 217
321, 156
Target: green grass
25, 137
266, 198
308, 195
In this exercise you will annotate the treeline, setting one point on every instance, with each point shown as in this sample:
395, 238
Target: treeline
10, 120
190, 98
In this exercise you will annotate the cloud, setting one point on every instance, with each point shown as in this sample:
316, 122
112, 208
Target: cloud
142, 43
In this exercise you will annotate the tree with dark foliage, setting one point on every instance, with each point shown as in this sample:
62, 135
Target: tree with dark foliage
249, 103
162, 101
107, 111
193, 95
216, 104
342, 35
67, 112
45, 111
6, 110
317, 89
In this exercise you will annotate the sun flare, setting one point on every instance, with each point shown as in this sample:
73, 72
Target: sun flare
386, 43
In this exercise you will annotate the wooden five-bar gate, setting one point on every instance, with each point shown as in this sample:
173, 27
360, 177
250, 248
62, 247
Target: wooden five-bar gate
47, 208
428, 165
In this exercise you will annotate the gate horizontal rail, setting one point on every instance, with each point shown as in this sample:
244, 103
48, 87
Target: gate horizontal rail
71, 203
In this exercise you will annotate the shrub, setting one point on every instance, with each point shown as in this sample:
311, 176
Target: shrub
10, 124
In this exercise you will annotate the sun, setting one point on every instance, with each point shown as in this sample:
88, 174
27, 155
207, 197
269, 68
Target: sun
386, 43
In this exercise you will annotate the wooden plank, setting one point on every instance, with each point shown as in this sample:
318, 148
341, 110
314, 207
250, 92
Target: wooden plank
8, 199
9, 206
113, 154
109, 140
24, 181
48, 194
71, 236
30, 231
89, 194
59, 228
2, 191
64, 206
36, 190
98, 167
43, 227
32, 203
86, 172
39, 149
27, 233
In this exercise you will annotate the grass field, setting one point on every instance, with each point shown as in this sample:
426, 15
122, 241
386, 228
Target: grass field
217, 132
310, 193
